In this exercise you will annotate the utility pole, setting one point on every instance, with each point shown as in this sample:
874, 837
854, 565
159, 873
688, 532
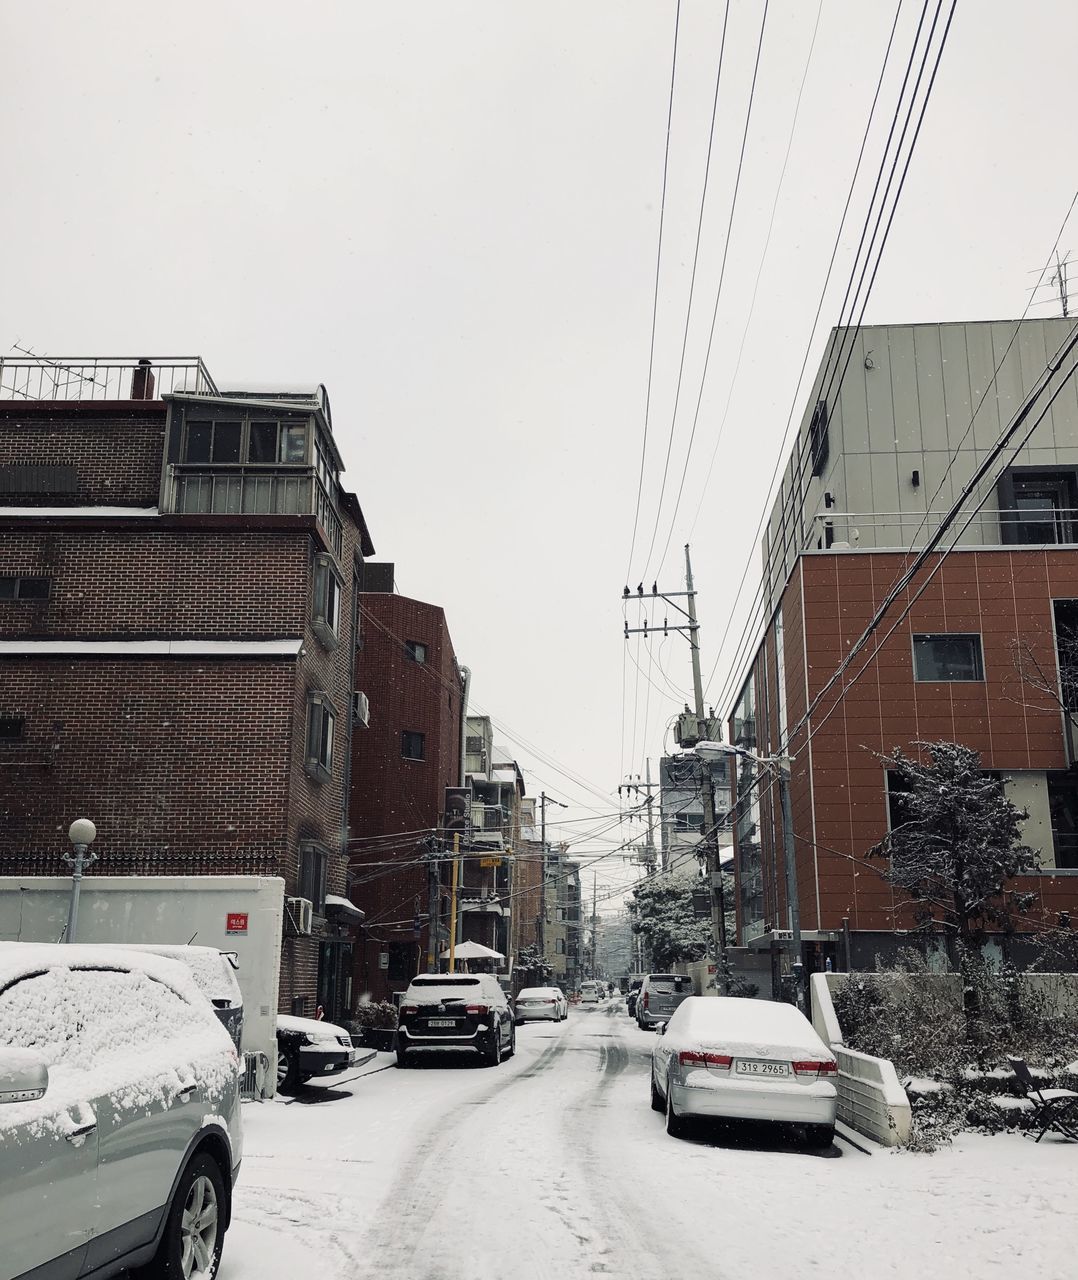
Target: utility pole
594, 924
711, 836
647, 787
700, 730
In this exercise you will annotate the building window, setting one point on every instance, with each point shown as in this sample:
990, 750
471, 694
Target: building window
473, 746
689, 822
412, 745
818, 442
328, 585
950, 658
255, 442
12, 728
313, 866
320, 721
559, 946
1063, 805
24, 588
273, 442
1038, 505
415, 651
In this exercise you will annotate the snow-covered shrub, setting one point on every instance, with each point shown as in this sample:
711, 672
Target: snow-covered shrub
374, 1013
904, 1014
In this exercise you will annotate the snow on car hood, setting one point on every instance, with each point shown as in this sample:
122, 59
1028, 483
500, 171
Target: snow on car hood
315, 1028
107, 1023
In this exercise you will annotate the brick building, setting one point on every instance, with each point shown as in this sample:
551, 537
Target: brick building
871, 476
177, 569
401, 764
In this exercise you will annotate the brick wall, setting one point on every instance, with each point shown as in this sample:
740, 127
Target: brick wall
180, 764
392, 796
115, 448
158, 582
838, 789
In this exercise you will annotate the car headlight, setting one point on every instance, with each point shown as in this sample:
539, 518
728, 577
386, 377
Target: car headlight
321, 1037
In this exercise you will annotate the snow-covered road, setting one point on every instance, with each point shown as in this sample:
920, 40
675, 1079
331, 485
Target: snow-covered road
553, 1165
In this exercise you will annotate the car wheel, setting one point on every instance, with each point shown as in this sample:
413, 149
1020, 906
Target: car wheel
820, 1136
676, 1126
656, 1096
190, 1247
288, 1080
494, 1053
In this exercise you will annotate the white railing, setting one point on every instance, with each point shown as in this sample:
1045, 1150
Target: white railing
865, 530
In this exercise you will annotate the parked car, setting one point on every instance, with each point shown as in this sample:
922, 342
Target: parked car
631, 997
660, 994
214, 973
120, 1137
743, 1059
455, 1011
534, 1003
308, 1047
589, 993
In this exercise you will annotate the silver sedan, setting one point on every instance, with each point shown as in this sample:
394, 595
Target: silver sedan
541, 1002
743, 1059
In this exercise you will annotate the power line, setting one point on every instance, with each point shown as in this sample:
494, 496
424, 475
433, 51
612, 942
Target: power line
655, 297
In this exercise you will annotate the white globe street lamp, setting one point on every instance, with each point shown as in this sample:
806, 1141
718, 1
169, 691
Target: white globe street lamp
82, 834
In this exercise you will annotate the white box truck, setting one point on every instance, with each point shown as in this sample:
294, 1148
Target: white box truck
239, 914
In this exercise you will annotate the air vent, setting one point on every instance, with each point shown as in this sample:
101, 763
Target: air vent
39, 480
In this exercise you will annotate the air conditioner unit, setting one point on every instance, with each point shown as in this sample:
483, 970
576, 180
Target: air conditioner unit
361, 709
299, 916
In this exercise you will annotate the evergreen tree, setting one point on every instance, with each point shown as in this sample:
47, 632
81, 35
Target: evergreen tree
664, 916
957, 845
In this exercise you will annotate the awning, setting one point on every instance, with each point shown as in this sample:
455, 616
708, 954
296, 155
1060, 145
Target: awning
341, 908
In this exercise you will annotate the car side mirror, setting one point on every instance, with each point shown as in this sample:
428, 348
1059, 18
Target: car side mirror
24, 1075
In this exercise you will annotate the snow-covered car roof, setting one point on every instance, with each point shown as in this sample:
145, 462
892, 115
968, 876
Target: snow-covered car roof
211, 968
539, 991
21, 959
734, 1021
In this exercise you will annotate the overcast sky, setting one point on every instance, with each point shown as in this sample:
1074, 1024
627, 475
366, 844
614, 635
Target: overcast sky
448, 213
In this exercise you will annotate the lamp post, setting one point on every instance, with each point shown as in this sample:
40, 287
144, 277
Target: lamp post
82, 834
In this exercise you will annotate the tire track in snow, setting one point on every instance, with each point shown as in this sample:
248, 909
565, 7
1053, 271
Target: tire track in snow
393, 1245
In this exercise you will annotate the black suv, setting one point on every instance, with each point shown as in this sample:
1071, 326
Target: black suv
455, 1011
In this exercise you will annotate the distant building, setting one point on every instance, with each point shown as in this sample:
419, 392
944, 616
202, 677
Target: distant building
681, 805
402, 762
871, 475
177, 576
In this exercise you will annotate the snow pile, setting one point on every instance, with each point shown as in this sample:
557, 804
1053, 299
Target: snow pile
211, 969
109, 1023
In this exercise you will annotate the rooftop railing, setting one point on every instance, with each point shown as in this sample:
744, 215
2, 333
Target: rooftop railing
900, 530
67, 378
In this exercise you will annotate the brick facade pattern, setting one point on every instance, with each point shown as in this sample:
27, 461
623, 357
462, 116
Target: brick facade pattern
396, 804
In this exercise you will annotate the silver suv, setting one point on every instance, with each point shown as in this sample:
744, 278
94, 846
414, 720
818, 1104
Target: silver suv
660, 994
120, 1134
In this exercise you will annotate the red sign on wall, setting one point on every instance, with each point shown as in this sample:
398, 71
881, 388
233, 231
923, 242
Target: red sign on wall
236, 922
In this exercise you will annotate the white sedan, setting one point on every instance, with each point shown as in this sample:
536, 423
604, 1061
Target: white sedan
541, 1002
743, 1059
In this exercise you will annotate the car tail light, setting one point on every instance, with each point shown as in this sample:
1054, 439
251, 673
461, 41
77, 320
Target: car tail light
478, 1008
828, 1068
645, 999
409, 1008
715, 1061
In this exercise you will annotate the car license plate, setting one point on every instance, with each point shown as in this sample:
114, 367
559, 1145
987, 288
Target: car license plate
760, 1067
442, 1022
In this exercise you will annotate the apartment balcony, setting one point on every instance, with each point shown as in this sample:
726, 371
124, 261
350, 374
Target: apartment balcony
1029, 524
198, 489
488, 824
81, 378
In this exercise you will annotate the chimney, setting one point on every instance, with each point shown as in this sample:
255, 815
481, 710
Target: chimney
142, 381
